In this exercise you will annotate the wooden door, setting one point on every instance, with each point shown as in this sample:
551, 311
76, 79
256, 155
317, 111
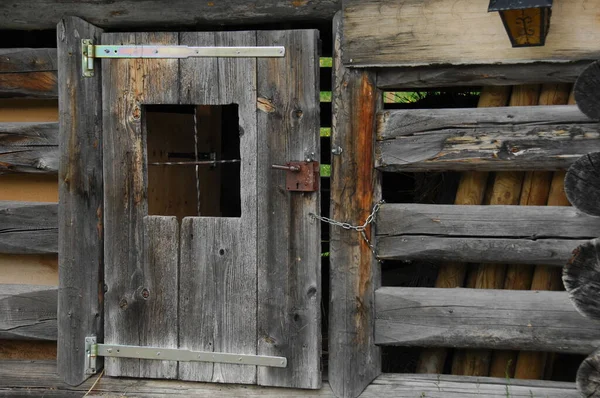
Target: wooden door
244, 284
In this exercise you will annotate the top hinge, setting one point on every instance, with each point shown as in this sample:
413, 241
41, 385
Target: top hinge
91, 51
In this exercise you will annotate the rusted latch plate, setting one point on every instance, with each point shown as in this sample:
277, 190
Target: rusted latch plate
301, 176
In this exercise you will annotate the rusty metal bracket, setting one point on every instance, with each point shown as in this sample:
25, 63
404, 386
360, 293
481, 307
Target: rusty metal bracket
301, 176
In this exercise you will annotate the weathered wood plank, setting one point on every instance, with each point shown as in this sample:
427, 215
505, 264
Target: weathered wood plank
23, 60
43, 14
582, 184
528, 222
126, 85
289, 278
515, 138
28, 148
477, 318
38, 379
581, 277
555, 252
80, 219
28, 312
417, 32
28, 227
28, 72
473, 75
354, 360
160, 290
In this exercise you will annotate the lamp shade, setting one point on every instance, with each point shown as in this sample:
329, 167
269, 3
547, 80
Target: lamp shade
526, 21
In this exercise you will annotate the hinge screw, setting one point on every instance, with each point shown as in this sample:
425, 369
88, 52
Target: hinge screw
337, 151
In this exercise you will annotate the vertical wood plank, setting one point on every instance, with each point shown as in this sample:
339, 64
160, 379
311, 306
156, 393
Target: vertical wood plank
80, 244
160, 291
354, 360
289, 273
127, 85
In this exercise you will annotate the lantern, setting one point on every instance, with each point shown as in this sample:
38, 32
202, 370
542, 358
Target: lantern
525, 21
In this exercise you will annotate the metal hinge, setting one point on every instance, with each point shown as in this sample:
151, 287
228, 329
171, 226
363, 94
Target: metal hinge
94, 350
91, 51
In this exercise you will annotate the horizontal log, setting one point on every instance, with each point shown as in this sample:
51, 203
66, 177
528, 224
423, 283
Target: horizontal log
581, 277
588, 376
23, 60
582, 184
446, 32
513, 222
555, 252
478, 75
28, 312
178, 14
28, 228
28, 72
478, 318
28, 147
519, 138
39, 379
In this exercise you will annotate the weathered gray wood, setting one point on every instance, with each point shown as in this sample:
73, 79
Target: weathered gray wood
354, 360
80, 220
28, 227
581, 277
38, 379
473, 75
38, 14
555, 252
219, 255
159, 316
289, 272
430, 32
28, 147
127, 85
586, 91
582, 184
484, 139
477, 318
528, 222
588, 376
28, 72
28, 312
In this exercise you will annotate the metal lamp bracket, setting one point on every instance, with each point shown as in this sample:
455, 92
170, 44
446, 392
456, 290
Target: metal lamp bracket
91, 51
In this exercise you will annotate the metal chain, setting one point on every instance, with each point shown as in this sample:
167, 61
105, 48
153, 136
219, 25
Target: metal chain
196, 157
358, 228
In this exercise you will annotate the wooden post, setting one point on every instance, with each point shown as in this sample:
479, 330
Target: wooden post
80, 222
354, 360
505, 191
471, 190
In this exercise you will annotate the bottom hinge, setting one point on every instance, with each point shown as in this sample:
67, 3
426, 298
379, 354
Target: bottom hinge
91, 353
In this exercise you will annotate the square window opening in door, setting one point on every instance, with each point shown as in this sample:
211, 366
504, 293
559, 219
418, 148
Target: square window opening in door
193, 157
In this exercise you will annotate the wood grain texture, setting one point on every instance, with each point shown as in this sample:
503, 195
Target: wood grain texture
582, 184
28, 72
80, 218
482, 318
588, 376
581, 277
38, 378
28, 227
354, 360
473, 75
127, 85
289, 271
28, 312
415, 33
28, 148
159, 318
586, 91
43, 14
489, 139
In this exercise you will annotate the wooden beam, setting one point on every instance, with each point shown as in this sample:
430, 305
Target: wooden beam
586, 91
430, 32
28, 148
43, 14
39, 379
28, 227
80, 223
28, 72
474, 75
581, 277
28, 312
588, 376
478, 318
515, 138
582, 184
354, 360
